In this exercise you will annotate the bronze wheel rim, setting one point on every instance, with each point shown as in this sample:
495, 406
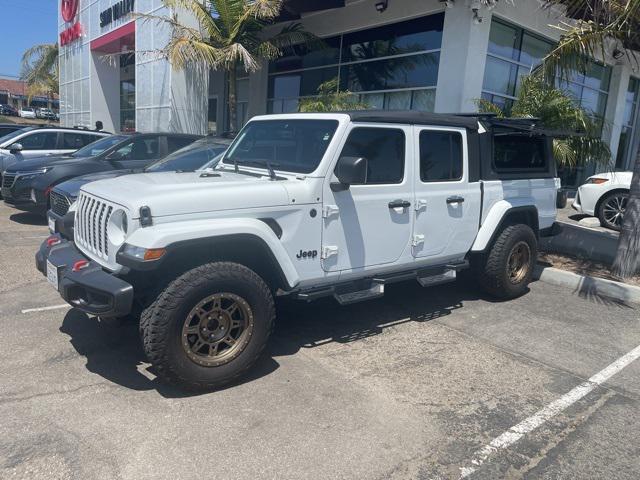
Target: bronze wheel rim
217, 329
519, 262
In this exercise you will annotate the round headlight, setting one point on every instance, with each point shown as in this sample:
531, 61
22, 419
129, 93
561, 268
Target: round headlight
117, 227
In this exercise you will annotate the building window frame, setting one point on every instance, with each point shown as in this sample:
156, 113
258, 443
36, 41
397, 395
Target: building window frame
628, 141
342, 62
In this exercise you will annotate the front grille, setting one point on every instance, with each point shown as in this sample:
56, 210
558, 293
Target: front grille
8, 180
59, 203
91, 220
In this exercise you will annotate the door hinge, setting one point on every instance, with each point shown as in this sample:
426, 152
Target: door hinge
329, 251
330, 210
417, 240
420, 204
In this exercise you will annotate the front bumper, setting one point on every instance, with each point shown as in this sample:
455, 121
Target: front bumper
20, 197
90, 289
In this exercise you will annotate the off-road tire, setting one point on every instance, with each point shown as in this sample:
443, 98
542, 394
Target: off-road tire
602, 214
161, 324
491, 268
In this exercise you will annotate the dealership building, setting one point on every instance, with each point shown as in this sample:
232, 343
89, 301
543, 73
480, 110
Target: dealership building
430, 55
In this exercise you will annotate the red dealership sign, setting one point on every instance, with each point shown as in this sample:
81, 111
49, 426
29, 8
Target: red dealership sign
69, 9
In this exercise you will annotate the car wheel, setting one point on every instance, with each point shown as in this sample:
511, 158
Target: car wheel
612, 208
209, 326
506, 269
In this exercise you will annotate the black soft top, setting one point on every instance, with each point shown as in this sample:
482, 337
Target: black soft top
414, 118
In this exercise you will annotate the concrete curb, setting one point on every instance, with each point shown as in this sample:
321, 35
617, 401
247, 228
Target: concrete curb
582, 241
588, 286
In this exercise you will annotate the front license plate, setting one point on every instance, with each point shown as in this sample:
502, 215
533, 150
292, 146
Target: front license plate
52, 225
52, 274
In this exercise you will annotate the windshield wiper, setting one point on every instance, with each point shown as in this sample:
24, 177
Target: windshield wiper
263, 162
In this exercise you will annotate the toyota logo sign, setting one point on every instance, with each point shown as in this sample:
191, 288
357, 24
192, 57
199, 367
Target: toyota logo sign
69, 9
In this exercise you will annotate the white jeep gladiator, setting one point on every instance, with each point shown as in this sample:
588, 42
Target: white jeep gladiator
304, 205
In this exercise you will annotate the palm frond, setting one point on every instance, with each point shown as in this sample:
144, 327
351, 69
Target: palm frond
39, 68
485, 106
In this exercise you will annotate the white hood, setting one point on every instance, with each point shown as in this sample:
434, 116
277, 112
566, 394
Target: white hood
171, 193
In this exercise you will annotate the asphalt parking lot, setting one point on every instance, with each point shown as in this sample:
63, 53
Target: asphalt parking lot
421, 384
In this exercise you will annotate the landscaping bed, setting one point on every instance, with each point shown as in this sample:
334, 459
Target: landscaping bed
583, 266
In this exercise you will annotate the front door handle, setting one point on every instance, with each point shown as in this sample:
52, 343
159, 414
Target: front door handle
455, 199
400, 204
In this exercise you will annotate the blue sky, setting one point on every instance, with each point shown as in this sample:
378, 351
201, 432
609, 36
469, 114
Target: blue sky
25, 23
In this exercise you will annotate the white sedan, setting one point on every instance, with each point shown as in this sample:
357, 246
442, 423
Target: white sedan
605, 196
27, 112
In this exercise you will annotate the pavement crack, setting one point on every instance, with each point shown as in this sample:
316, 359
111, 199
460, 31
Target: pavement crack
7, 400
536, 361
555, 441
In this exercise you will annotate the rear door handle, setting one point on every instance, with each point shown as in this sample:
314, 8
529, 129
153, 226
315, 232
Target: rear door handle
400, 204
455, 199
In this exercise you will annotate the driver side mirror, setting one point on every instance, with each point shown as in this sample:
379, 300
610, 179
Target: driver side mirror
15, 148
349, 171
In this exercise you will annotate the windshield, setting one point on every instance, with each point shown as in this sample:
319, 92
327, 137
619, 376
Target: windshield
99, 146
191, 157
6, 140
291, 145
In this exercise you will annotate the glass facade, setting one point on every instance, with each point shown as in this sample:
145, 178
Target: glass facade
127, 93
627, 135
389, 67
512, 54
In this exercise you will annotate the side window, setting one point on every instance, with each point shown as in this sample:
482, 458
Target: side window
74, 141
519, 153
384, 149
440, 156
87, 139
176, 143
145, 148
39, 141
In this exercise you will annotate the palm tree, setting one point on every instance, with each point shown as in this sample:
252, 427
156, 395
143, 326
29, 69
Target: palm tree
40, 70
599, 25
230, 36
557, 111
331, 99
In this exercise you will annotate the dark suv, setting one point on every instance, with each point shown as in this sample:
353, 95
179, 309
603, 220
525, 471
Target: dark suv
27, 184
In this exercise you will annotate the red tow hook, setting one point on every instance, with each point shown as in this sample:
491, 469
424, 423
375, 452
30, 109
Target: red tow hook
53, 240
79, 265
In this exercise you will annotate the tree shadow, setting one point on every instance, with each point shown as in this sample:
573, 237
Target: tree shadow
115, 352
28, 218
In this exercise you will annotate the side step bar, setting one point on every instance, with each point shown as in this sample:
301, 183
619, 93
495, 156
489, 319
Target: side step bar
361, 290
376, 290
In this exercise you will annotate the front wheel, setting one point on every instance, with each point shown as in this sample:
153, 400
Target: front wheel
611, 210
209, 326
506, 269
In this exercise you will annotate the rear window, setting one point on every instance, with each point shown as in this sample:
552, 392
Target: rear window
519, 153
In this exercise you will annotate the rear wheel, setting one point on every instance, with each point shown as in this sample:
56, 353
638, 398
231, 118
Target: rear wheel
506, 269
209, 326
612, 208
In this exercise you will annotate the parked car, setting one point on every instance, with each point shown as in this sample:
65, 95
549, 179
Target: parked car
38, 141
7, 128
27, 112
201, 154
304, 205
45, 113
8, 110
605, 196
27, 184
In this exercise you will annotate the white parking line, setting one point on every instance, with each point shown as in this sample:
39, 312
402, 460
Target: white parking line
516, 432
44, 309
